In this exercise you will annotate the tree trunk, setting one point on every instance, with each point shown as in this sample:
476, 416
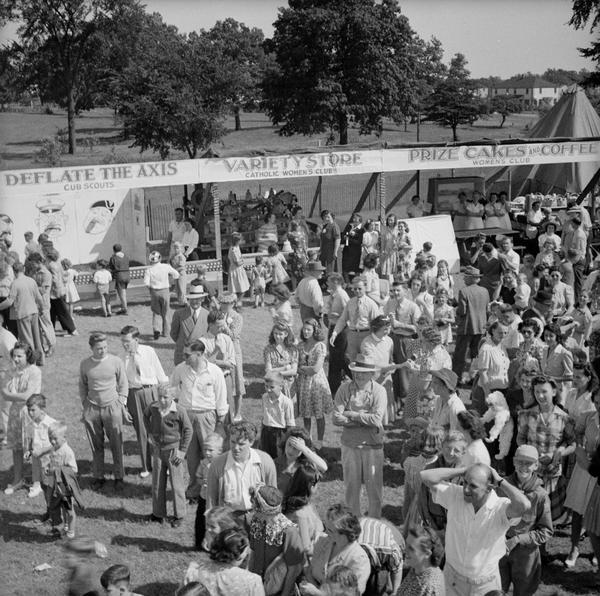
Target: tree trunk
71, 118
454, 135
343, 127
503, 120
236, 113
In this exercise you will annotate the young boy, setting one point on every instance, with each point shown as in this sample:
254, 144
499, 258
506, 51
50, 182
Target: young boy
178, 262
118, 265
170, 433
116, 581
60, 482
37, 443
209, 288
277, 416
213, 446
31, 246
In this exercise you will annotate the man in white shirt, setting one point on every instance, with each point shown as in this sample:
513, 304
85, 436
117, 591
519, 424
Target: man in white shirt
236, 472
157, 279
190, 240
508, 257
308, 292
477, 523
448, 403
404, 315
176, 229
357, 315
144, 374
201, 390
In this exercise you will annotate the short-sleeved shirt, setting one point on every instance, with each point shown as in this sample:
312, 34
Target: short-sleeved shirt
474, 541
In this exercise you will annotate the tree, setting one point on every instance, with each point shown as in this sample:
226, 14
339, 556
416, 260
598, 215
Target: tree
171, 94
337, 61
584, 12
57, 41
505, 105
453, 101
242, 63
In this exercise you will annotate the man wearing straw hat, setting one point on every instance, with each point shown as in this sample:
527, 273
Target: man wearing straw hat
190, 322
471, 318
360, 406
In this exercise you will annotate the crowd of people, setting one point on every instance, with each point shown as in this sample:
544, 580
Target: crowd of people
491, 377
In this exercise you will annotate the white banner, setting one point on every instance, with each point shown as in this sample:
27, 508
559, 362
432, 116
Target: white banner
81, 179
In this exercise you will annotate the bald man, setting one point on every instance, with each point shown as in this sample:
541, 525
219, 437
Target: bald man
477, 523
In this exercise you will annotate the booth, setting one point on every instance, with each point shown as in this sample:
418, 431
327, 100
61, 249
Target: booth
86, 209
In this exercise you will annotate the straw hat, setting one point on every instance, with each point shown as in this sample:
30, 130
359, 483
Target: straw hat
196, 292
360, 365
228, 298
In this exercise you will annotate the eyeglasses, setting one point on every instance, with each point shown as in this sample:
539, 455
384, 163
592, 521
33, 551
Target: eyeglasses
527, 332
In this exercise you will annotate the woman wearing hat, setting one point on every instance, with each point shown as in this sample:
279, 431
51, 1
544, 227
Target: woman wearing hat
359, 409
233, 324
427, 354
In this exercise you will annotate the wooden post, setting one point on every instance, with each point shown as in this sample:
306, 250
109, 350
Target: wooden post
381, 192
218, 247
317, 196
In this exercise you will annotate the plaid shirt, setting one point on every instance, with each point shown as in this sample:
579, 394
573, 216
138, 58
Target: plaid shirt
546, 437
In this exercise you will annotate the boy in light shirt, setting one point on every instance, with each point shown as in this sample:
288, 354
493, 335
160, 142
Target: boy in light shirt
277, 416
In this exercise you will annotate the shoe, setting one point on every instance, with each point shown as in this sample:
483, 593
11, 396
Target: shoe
74, 334
97, 483
70, 534
594, 561
144, 474
237, 418
35, 491
176, 522
123, 312
572, 558
156, 335
11, 488
155, 519
118, 484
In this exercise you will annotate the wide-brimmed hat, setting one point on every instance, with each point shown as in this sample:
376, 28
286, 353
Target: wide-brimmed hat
550, 222
472, 271
314, 266
446, 376
527, 453
543, 297
360, 365
196, 292
227, 298
432, 335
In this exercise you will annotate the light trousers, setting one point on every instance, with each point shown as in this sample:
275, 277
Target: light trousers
459, 585
363, 464
98, 421
203, 424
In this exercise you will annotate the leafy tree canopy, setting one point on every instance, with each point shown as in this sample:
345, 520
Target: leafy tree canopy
339, 60
587, 12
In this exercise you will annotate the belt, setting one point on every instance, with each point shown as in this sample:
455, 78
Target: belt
359, 330
473, 581
144, 386
195, 411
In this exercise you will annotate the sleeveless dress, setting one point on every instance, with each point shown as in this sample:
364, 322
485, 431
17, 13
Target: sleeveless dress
234, 325
69, 280
238, 280
314, 394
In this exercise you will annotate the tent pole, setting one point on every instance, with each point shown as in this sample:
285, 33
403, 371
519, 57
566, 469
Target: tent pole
317, 196
381, 196
589, 186
399, 195
218, 248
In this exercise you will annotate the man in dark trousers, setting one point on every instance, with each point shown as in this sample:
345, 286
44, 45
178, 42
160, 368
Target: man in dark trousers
471, 319
189, 323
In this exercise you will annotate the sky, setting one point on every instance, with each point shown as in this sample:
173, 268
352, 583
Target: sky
498, 37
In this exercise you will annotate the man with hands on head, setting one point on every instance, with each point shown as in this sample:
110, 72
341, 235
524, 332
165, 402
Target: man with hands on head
478, 520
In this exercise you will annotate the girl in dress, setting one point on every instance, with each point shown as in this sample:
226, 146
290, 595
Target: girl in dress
371, 277
370, 240
260, 277
277, 263
443, 280
443, 316
281, 355
102, 279
178, 262
238, 280
25, 380
314, 394
233, 324
388, 246
69, 276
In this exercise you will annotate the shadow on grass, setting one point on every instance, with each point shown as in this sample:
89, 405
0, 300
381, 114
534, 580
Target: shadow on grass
582, 582
112, 515
157, 589
21, 527
148, 544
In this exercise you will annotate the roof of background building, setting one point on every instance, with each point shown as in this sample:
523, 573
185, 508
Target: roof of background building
525, 82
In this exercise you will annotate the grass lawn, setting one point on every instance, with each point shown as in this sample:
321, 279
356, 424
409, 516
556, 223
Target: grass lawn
157, 555
21, 134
